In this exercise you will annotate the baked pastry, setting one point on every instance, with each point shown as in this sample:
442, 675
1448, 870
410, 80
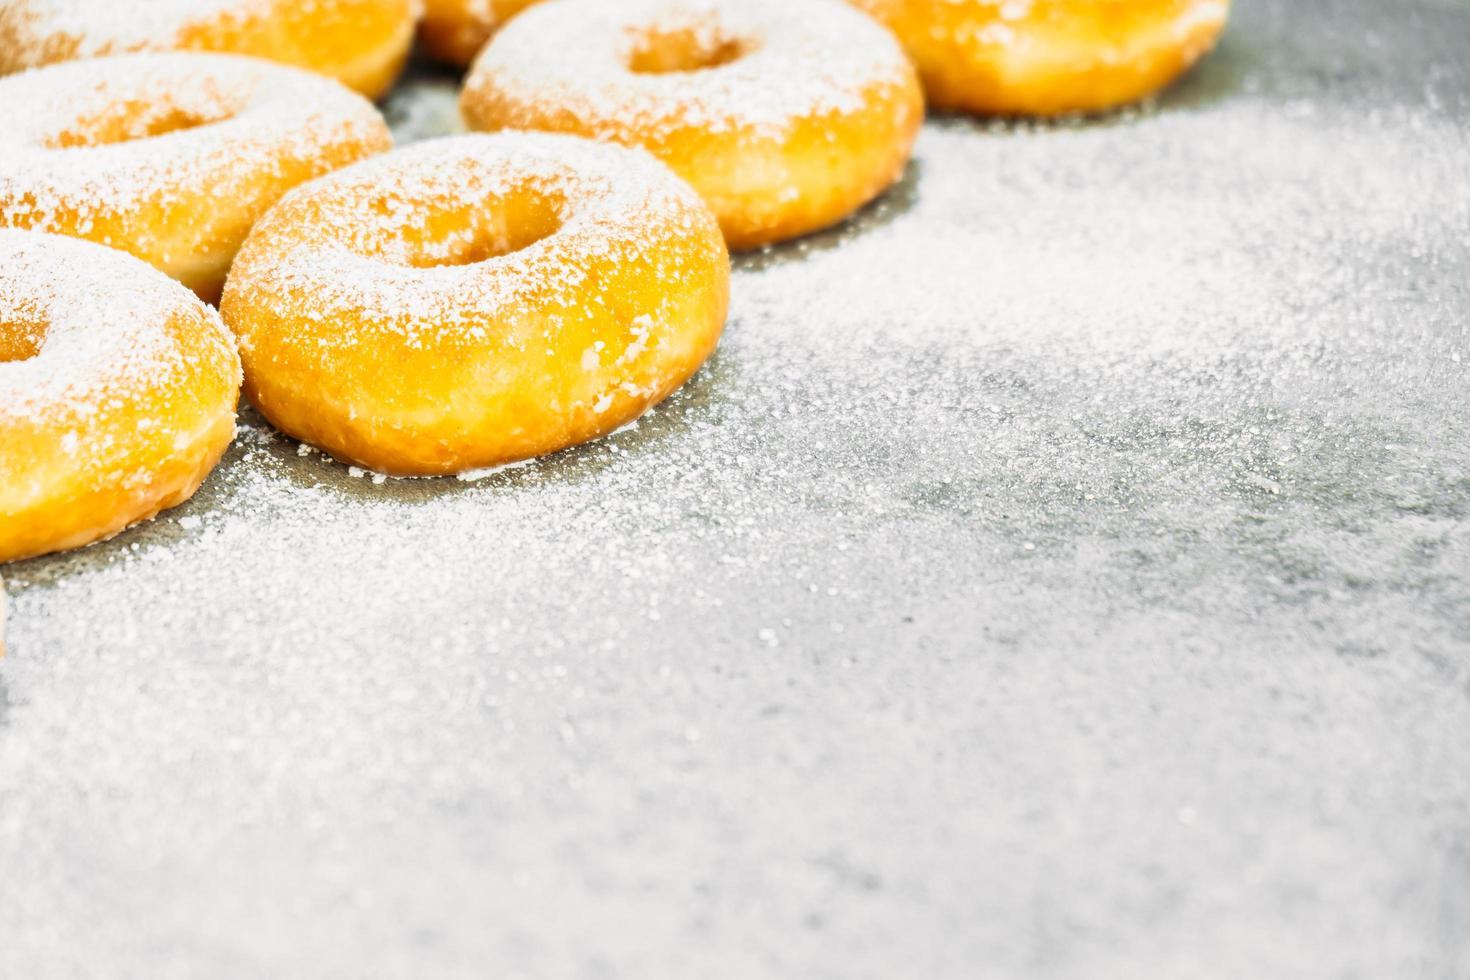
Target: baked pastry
476, 300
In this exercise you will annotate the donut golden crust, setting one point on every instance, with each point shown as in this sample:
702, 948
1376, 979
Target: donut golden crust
361, 43
785, 116
1049, 57
455, 30
476, 300
171, 157
117, 392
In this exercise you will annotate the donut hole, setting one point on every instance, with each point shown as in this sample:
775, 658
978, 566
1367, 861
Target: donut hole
689, 49
21, 337
127, 121
457, 236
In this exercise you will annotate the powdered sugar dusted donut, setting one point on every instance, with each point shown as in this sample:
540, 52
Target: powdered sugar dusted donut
786, 116
1048, 57
361, 43
171, 157
476, 300
456, 30
117, 392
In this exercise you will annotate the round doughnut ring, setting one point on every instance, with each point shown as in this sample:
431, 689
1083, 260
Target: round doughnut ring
476, 300
455, 30
786, 116
361, 43
117, 392
171, 157
1049, 57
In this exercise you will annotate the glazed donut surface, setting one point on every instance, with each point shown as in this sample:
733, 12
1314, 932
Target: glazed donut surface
1049, 57
117, 392
171, 157
455, 30
476, 300
785, 116
361, 43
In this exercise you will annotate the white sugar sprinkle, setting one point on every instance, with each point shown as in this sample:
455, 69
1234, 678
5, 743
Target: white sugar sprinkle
354, 252
31, 29
97, 316
246, 118
795, 60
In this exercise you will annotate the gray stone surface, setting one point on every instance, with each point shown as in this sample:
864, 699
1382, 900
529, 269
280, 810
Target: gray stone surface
1061, 571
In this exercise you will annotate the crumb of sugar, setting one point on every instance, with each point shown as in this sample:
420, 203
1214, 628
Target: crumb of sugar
474, 476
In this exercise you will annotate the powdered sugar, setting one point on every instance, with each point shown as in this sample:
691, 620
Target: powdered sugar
96, 316
533, 725
98, 27
354, 252
774, 62
243, 117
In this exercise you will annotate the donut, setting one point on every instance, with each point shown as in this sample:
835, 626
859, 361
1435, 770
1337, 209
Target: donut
476, 300
117, 392
455, 30
171, 157
361, 43
786, 116
1049, 57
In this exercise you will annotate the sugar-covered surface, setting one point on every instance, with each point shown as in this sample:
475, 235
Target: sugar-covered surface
100, 27
818, 58
1061, 571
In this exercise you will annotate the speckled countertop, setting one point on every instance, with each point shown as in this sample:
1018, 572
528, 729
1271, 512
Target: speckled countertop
1061, 571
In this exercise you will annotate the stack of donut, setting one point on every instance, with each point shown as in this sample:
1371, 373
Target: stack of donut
469, 301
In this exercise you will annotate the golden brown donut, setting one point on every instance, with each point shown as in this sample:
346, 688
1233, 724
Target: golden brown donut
1049, 57
171, 157
456, 30
786, 116
476, 300
117, 392
361, 43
